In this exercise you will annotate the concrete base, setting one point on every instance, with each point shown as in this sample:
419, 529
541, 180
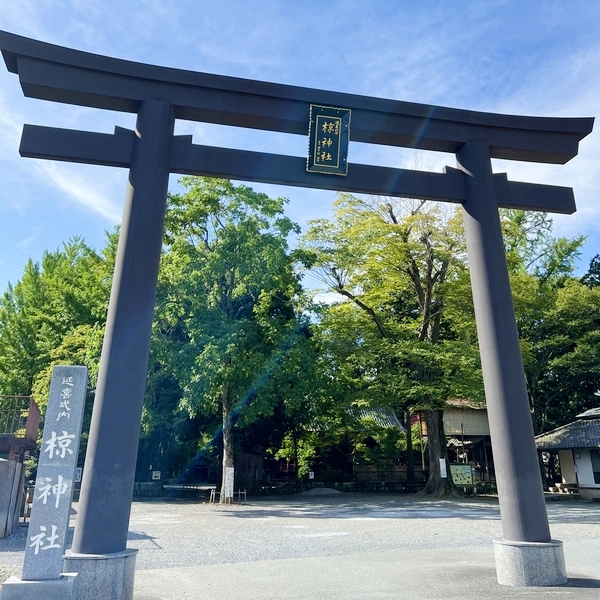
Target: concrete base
102, 576
525, 564
48, 589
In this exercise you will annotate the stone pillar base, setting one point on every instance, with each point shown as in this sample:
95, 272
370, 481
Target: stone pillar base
102, 576
524, 564
48, 589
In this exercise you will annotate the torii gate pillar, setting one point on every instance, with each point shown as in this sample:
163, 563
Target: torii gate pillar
99, 551
526, 556
105, 500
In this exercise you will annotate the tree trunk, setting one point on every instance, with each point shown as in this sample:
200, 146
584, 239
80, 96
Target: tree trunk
410, 459
436, 484
227, 439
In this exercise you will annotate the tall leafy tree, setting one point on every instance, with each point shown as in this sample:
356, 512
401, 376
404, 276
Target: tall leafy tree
55, 313
396, 261
557, 316
226, 300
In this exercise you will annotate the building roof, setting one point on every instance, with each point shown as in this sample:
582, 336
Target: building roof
465, 403
593, 413
383, 417
583, 433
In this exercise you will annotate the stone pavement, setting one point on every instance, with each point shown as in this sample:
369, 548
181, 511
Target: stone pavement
424, 574
350, 546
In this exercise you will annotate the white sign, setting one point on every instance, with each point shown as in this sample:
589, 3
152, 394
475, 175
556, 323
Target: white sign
443, 472
311, 474
229, 482
155, 475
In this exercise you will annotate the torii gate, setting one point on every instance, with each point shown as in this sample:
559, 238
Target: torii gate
526, 555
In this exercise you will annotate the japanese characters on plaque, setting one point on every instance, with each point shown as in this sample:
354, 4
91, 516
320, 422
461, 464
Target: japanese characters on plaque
328, 137
49, 523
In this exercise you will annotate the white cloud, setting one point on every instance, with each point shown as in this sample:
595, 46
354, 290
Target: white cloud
81, 190
26, 243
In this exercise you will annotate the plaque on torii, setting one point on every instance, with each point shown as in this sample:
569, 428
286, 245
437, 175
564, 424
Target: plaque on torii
159, 95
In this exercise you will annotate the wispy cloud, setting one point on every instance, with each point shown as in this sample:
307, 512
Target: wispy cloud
26, 243
81, 190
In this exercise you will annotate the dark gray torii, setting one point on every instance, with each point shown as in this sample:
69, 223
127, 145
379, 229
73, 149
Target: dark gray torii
159, 95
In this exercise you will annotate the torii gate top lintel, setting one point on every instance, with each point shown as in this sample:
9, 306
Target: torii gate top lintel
54, 73
61, 74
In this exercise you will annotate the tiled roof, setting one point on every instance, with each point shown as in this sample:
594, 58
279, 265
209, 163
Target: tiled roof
583, 433
384, 417
593, 413
464, 403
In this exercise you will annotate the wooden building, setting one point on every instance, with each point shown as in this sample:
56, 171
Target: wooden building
578, 447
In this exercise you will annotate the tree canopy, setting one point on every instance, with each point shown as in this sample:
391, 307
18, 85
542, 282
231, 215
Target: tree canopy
243, 359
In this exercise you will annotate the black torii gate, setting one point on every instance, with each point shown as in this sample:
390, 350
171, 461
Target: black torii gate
160, 95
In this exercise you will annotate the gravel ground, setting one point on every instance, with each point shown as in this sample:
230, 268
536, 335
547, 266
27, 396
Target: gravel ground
187, 534
177, 535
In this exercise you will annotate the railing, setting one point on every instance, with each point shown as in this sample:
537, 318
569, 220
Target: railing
19, 416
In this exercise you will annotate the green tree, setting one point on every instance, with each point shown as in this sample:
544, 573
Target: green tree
55, 313
592, 277
226, 300
397, 261
556, 316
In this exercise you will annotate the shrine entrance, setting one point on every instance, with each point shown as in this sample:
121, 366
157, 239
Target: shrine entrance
158, 96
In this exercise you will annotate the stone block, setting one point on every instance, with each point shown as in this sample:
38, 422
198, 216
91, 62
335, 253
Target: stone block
48, 589
102, 576
525, 564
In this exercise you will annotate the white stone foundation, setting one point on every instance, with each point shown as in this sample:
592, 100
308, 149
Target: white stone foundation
48, 589
102, 576
525, 564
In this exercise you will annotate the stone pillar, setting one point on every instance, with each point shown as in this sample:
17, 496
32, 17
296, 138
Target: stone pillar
521, 497
107, 487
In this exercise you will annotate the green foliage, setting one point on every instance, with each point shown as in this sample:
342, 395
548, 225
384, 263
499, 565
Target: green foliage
302, 451
54, 315
227, 328
227, 287
398, 262
557, 318
238, 352
592, 277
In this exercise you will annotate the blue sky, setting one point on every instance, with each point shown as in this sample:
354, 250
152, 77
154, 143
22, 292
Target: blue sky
532, 57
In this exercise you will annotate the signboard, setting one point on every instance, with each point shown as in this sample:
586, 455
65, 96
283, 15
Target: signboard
311, 474
462, 474
443, 472
155, 475
328, 137
53, 493
229, 482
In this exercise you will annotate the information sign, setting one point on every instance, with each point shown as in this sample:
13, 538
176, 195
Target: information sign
328, 135
443, 472
462, 474
229, 482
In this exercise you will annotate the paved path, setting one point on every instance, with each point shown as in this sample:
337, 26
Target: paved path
349, 546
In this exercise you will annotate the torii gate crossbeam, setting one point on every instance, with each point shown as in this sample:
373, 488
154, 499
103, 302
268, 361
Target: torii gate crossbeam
159, 95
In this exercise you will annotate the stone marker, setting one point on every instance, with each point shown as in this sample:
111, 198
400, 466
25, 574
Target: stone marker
49, 523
